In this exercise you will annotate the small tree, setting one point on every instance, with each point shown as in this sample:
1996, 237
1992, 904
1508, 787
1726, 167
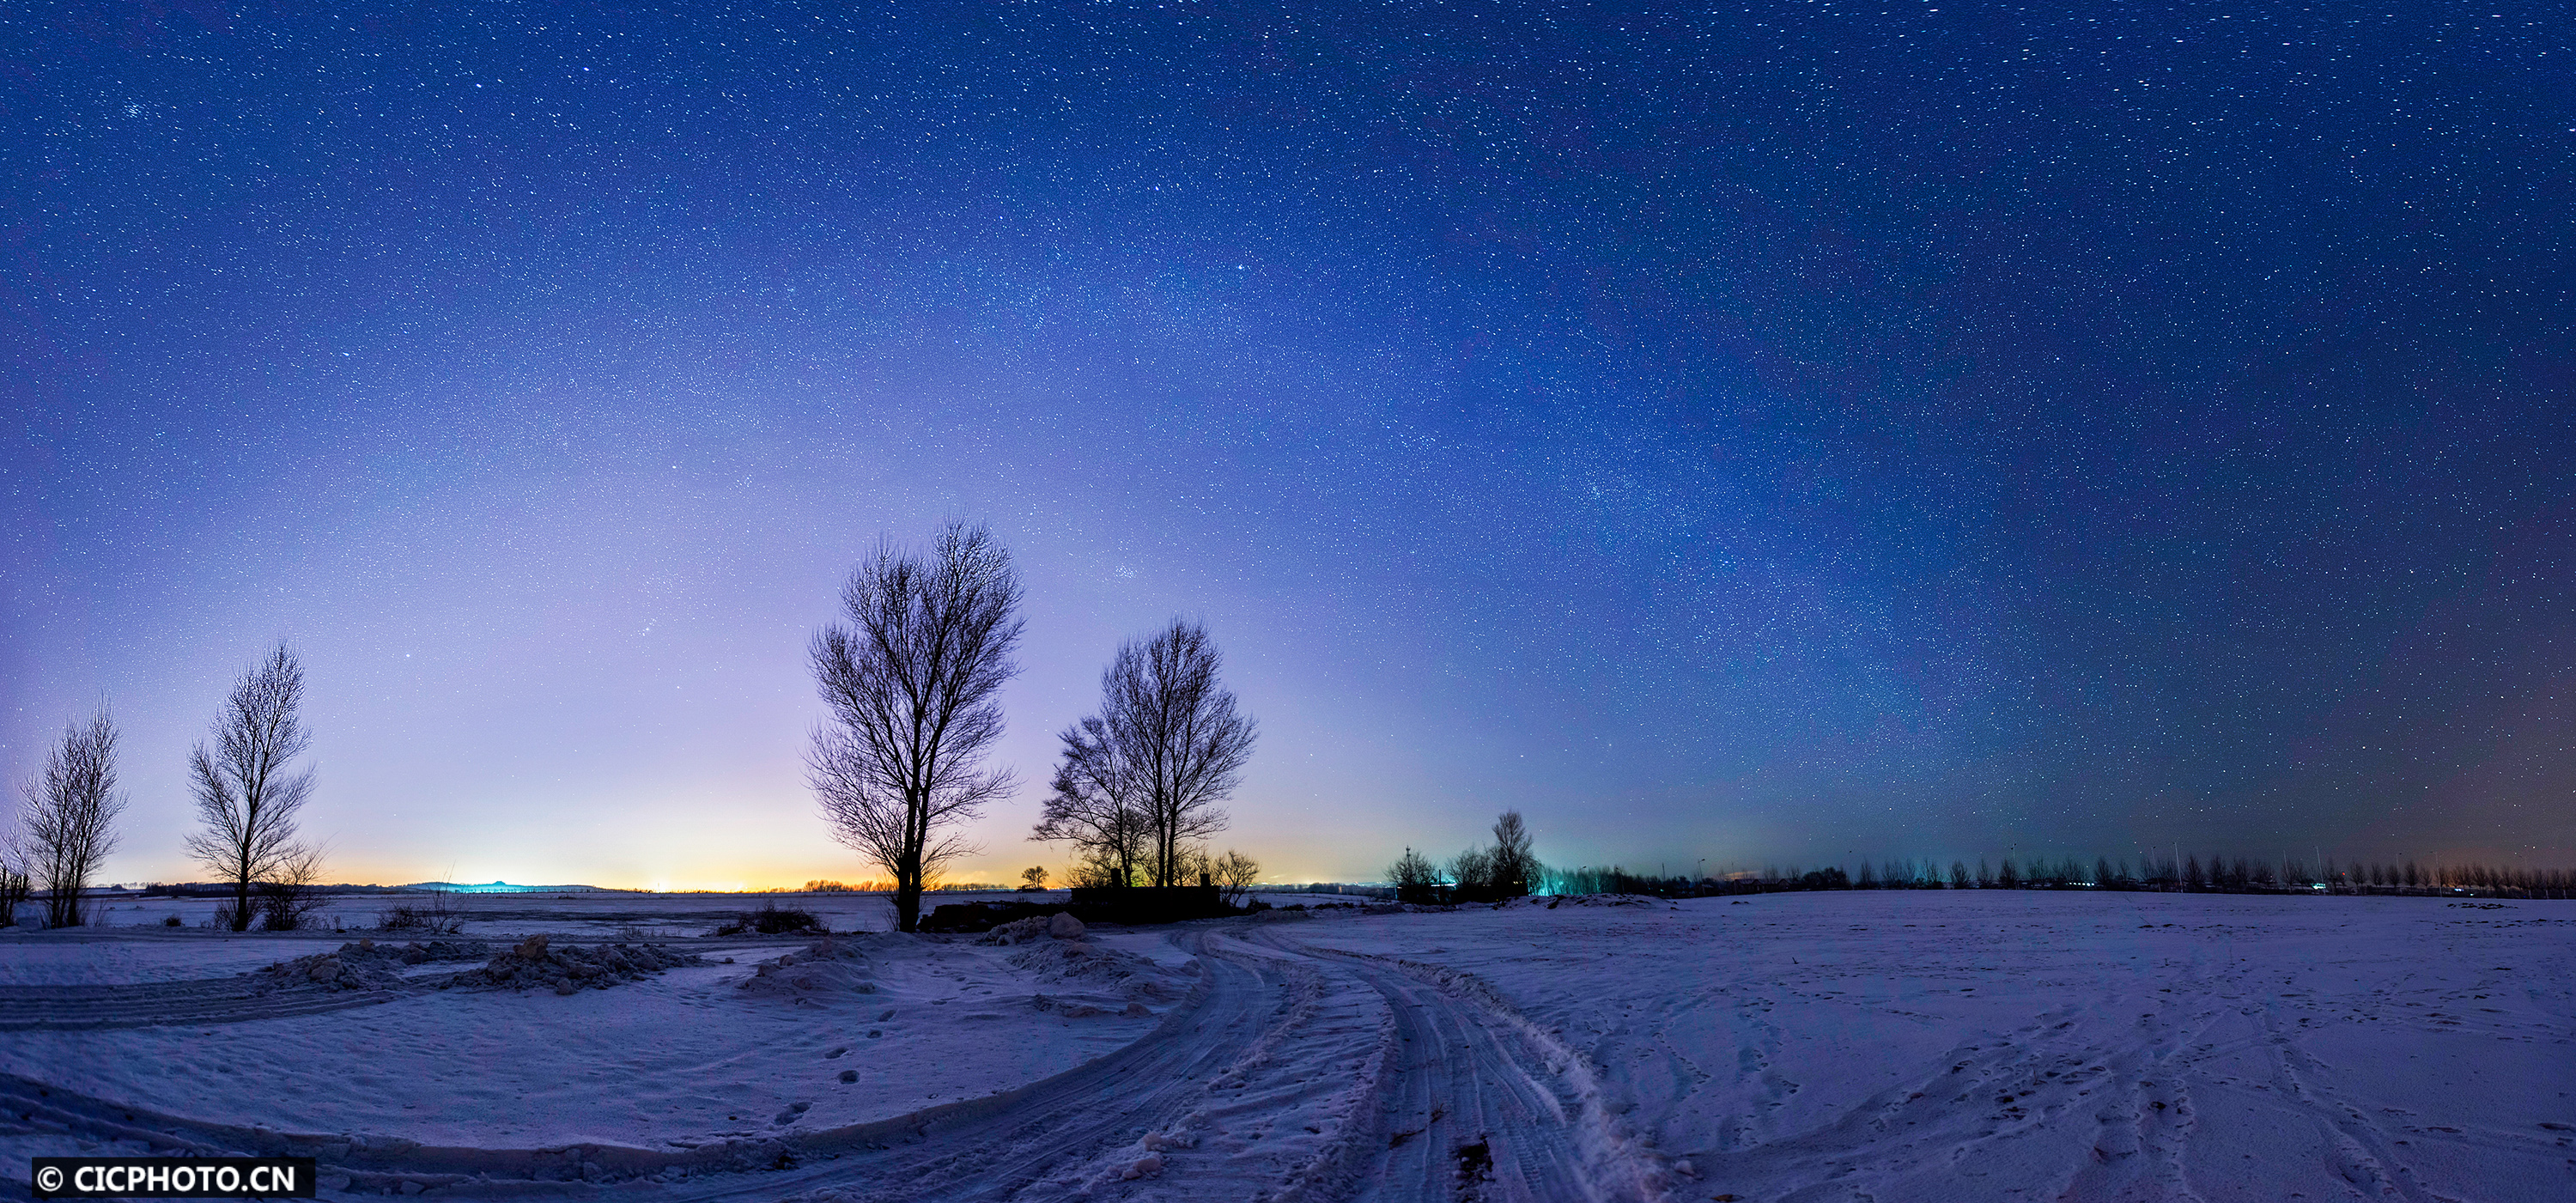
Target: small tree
1414, 877
290, 894
246, 796
913, 685
69, 818
1234, 873
14, 890
1033, 877
1958, 875
1514, 865
1472, 872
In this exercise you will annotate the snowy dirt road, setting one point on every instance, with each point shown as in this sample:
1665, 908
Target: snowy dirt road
1289, 1073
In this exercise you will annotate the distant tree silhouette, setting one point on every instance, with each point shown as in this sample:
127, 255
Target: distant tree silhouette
1514, 867
1235, 873
1472, 874
291, 892
15, 888
1414, 877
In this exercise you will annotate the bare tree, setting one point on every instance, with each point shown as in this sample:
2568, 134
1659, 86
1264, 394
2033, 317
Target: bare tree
14, 861
1514, 867
912, 685
1095, 806
13, 888
1033, 878
1414, 877
68, 823
246, 797
1173, 731
1472, 872
1235, 874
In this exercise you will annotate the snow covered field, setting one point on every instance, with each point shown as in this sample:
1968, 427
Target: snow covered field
1992, 1045
1827, 1046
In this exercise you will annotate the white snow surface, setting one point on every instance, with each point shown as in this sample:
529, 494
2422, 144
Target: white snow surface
1884, 1046
681, 1059
1992, 1044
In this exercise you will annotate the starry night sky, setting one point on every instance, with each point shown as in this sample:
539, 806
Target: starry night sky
1762, 433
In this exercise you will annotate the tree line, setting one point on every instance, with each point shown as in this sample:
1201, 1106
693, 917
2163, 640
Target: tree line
248, 797
2164, 874
1510, 868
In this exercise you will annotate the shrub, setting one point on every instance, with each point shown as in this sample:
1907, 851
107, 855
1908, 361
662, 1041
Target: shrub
772, 919
287, 905
435, 918
172, 921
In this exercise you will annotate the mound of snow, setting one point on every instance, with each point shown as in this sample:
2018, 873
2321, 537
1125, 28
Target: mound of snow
1058, 926
824, 967
1018, 931
1075, 960
365, 965
570, 968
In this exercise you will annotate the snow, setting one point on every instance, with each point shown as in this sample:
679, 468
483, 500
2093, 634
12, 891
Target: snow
1941, 1045
683, 1058
1885, 1045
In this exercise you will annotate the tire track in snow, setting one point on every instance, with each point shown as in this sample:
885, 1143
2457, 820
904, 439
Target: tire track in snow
170, 1004
1484, 1105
